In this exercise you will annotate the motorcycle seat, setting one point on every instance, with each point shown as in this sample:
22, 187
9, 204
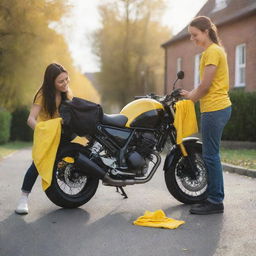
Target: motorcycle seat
115, 120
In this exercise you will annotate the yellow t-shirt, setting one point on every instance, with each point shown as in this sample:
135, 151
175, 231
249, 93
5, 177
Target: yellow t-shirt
217, 97
43, 115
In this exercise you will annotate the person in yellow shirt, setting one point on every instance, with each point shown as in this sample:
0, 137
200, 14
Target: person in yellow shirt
215, 108
47, 100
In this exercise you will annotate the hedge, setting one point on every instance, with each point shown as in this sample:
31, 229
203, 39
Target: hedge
5, 124
19, 128
242, 124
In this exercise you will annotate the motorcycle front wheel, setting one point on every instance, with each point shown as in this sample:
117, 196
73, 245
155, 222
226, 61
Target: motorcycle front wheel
187, 186
70, 188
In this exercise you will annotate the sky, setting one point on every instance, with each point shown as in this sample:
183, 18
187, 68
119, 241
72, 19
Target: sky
84, 19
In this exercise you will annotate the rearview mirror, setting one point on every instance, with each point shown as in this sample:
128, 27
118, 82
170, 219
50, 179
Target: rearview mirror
180, 75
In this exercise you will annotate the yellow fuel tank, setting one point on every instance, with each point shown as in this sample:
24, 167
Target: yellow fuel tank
144, 113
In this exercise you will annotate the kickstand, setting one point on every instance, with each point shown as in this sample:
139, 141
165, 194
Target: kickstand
122, 192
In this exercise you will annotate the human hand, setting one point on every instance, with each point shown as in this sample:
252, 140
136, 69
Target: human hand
185, 94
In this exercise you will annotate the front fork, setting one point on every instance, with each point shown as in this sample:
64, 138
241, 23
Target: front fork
190, 162
182, 148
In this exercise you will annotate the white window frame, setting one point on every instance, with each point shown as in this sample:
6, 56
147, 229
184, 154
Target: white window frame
219, 5
178, 64
197, 70
240, 66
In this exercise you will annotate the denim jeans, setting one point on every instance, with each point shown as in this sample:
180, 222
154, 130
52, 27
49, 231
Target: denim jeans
212, 125
29, 179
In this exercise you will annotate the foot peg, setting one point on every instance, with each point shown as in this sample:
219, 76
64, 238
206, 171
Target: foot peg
122, 192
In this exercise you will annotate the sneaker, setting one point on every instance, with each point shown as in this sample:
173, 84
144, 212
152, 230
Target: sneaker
22, 207
207, 208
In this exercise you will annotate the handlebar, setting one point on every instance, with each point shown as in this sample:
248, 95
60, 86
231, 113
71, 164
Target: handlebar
176, 92
139, 97
174, 96
149, 96
169, 98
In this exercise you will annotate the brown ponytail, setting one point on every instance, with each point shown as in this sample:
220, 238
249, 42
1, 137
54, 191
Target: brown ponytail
204, 23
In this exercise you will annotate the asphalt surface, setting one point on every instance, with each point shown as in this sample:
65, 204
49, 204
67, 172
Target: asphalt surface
104, 226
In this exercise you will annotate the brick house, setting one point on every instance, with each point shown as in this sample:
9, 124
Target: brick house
236, 23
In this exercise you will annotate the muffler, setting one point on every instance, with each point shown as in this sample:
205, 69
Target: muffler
92, 169
89, 167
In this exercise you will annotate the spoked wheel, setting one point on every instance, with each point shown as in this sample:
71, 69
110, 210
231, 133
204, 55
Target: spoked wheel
70, 188
186, 179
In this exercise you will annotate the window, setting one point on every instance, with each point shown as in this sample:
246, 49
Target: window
240, 65
196, 70
219, 5
178, 64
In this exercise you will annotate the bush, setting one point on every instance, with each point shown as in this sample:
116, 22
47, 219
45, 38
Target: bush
242, 125
19, 128
5, 124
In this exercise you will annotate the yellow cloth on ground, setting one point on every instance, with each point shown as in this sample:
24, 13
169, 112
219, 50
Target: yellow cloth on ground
46, 141
157, 219
185, 119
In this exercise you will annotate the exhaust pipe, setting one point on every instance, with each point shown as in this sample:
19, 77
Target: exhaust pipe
92, 169
108, 181
89, 167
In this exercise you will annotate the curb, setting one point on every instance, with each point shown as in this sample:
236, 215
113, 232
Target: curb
239, 170
228, 144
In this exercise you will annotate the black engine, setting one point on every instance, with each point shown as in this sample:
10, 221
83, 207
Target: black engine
146, 144
140, 151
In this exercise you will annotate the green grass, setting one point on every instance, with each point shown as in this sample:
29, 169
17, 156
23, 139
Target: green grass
11, 147
243, 157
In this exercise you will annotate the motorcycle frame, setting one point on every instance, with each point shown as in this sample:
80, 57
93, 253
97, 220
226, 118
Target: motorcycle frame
164, 131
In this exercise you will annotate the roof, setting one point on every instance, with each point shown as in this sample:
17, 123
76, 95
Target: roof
236, 9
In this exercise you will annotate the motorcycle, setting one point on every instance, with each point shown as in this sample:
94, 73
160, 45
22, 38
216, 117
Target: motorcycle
124, 149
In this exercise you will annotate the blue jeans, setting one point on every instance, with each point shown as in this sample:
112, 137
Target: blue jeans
212, 125
29, 179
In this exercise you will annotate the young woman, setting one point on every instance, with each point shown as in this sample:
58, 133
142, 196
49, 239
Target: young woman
45, 106
215, 107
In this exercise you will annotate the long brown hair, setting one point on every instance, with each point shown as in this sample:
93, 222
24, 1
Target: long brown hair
48, 88
204, 23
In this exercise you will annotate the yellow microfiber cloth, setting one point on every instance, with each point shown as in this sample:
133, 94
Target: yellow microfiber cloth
46, 141
80, 140
185, 119
157, 219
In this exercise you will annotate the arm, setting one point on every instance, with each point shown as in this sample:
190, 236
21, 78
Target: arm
34, 112
203, 88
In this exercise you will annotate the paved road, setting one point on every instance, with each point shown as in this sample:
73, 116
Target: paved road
104, 225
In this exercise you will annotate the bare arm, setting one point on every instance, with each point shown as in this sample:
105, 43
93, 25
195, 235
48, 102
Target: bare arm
203, 88
34, 112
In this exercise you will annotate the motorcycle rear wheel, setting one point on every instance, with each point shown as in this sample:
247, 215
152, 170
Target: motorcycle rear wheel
70, 188
184, 187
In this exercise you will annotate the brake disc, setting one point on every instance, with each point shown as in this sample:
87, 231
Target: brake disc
72, 178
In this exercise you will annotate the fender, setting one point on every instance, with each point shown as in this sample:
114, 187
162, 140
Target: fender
70, 149
169, 158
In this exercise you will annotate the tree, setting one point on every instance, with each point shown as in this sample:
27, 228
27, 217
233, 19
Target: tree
27, 45
24, 33
128, 46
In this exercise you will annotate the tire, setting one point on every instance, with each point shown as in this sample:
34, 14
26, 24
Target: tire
184, 187
70, 178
